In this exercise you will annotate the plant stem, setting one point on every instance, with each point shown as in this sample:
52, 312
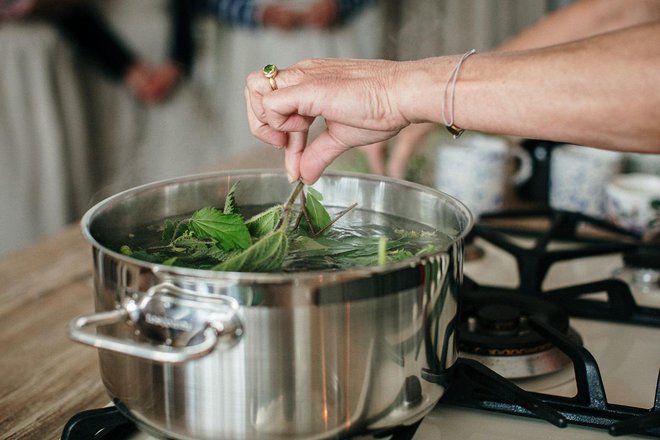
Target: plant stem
288, 206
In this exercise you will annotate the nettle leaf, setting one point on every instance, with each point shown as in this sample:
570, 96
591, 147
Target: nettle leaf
173, 230
228, 229
264, 222
303, 243
319, 217
266, 255
230, 200
315, 193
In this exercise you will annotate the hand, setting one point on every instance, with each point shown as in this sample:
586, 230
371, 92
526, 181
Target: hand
281, 17
322, 14
16, 9
152, 85
163, 80
359, 100
137, 79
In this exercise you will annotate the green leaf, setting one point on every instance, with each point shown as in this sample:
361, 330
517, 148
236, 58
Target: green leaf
314, 193
318, 215
228, 229
264, 222
126, 250
170, 261
266, 255
399, 255
428, 249
173, 230
307, 244
230, 200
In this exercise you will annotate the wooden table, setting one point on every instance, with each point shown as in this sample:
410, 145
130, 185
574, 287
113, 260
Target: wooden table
44, 377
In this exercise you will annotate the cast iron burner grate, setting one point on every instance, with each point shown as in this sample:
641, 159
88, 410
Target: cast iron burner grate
534, 263
475, 386
111, 424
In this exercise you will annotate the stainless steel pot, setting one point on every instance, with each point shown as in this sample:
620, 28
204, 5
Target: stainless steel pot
194, 354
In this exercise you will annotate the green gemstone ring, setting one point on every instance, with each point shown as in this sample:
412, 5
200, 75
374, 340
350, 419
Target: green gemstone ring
270, 71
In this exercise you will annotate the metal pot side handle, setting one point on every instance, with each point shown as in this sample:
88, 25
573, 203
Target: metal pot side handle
220, 326
155, 353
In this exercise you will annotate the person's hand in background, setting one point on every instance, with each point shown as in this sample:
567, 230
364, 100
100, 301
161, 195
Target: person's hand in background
137, 78
322, 14
163, 80
11, 9
152, 85
281, 17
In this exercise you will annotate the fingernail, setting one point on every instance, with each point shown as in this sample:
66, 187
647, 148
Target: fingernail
279, 147
291, 178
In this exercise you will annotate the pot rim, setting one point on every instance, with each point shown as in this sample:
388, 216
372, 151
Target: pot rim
267, 277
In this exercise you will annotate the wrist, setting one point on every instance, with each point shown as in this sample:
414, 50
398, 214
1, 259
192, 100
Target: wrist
420, 85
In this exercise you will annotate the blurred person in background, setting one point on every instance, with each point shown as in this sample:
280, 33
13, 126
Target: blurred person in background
254, 32
83, 24
286, 14
79, 80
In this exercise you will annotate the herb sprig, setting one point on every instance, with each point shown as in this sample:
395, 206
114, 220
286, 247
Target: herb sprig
223, 240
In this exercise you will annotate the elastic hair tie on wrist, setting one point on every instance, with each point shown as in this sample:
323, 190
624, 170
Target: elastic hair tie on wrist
449, 124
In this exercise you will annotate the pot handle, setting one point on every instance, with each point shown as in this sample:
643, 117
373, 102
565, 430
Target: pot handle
219, 325
142, 350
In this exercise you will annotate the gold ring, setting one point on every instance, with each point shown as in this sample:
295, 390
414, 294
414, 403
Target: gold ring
270, 71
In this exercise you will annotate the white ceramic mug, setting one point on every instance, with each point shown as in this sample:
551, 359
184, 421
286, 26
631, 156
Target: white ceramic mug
633, 201
475, 169
578, 176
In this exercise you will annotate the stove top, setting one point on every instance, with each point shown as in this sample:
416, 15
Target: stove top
614, 357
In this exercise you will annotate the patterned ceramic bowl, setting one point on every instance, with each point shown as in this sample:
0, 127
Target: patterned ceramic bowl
633, 201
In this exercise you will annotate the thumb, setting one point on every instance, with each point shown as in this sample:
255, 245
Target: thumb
318, 156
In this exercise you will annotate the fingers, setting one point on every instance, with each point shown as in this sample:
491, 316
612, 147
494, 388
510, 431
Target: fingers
316, 157
268, 118
293, 153
258, 126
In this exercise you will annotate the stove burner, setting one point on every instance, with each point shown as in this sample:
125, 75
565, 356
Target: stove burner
494, 330
110, 423
644, 257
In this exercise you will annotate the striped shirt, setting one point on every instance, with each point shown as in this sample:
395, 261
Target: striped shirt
244, 12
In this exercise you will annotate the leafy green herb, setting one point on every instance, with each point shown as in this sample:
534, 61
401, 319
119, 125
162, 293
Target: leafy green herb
264, 222
222, 240
266, 255
317, 216
228, 229
230, 200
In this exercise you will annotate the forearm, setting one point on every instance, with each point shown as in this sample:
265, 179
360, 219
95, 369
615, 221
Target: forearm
583, 19
603, 91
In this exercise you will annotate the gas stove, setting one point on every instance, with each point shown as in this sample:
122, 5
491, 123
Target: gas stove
559, 329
